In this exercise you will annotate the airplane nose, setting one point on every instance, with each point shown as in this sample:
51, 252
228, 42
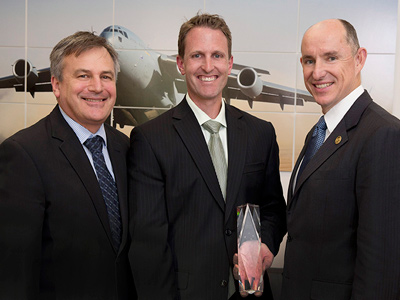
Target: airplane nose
107, 35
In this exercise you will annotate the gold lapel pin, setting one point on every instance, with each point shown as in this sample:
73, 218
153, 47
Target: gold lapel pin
338, 140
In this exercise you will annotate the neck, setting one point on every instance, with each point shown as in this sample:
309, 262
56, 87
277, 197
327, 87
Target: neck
210, 107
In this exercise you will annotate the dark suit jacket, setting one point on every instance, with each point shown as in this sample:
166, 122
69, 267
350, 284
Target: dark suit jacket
184, 236
55, 239
343, 216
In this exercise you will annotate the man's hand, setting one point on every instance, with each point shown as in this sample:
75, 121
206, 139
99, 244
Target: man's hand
265, 258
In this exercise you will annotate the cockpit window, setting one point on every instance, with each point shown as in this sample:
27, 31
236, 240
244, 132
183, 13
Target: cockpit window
111, 29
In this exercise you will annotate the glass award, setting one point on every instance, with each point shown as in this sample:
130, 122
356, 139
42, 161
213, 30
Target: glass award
249, 246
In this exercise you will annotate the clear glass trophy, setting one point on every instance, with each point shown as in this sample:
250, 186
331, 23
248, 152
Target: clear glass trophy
249, 246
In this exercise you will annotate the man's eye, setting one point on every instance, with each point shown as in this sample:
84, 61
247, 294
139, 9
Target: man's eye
332, 58
217, 55
308, 62
196, 55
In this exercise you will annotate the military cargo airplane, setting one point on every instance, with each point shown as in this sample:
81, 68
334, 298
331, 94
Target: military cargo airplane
149, 82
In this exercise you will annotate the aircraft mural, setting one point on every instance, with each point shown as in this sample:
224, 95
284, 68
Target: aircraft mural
149, 82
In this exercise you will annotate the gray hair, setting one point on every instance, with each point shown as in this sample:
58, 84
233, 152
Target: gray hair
76, 44
351, 35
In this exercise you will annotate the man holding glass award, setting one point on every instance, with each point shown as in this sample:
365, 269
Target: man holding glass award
189, 170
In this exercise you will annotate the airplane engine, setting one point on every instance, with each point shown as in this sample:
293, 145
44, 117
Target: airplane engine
18, 69
249, 82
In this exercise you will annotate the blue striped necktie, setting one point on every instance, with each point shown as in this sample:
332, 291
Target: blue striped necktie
107, 186
316, 142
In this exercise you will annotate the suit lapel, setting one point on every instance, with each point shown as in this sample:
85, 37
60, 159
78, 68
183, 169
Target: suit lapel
75, 154
327, 149
117, 157
190, 132
330, 146
297, 165
237, 145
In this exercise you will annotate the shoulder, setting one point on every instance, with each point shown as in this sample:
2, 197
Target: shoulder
161, 123
382, 116
376, 118
25, 147
32, 136
114, 135
252, 122
377, 131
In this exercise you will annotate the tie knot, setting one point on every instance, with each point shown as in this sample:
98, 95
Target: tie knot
321, 123
212, 126
94, 144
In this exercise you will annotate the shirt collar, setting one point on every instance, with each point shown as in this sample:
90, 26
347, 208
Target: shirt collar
81, 132
202, 117
336, 113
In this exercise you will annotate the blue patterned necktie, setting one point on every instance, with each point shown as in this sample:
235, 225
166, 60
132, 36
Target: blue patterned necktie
317, 140
107, 186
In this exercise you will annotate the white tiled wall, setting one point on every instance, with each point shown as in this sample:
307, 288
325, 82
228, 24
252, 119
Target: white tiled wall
266, 35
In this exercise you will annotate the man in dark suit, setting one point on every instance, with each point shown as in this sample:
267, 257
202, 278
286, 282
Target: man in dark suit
63, 210
184, 232
343, 202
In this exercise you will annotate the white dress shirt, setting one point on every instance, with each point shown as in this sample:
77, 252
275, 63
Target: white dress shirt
202, 117
335, 115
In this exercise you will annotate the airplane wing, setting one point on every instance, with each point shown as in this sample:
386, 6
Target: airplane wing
244, 83
236, 85
272, 93
169, 68
36, 81
239, 67
247, 85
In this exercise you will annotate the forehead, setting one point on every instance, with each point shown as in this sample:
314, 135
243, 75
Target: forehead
205, 37
325, 37
93, 58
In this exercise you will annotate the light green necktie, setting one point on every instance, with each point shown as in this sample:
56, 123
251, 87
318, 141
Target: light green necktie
217, 153
219, 161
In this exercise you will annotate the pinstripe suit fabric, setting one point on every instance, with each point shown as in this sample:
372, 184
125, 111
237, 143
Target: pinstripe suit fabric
184, 236
343, 216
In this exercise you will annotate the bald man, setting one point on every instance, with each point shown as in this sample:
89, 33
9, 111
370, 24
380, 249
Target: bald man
343, 211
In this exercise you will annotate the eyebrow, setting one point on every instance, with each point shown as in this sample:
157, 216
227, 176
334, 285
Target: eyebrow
88, 71
81, 71
331, 53
108, 72
307, 56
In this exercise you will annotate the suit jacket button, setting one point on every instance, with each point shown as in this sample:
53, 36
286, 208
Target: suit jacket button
228, 232
224, 283
289, 238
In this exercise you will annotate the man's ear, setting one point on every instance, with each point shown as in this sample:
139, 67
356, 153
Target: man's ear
55, 83
230, 64
181, 66
360, 57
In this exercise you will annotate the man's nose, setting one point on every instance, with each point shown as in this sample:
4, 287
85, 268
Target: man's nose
319, 70
95, 85
208, 65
